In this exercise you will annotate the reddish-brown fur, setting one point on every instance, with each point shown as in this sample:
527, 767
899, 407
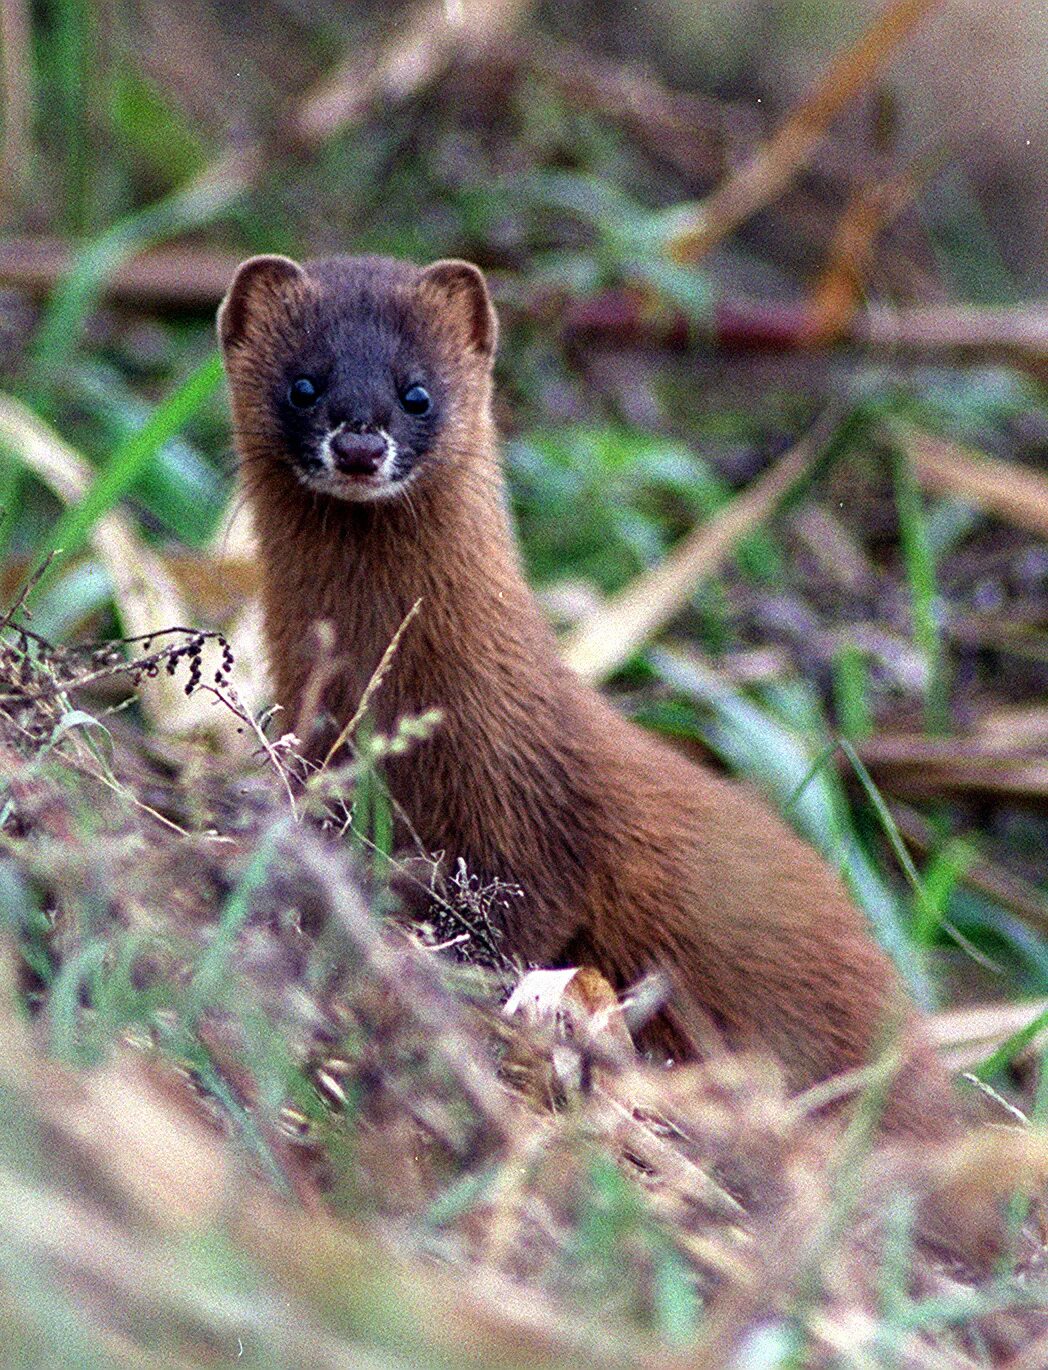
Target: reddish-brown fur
630, 857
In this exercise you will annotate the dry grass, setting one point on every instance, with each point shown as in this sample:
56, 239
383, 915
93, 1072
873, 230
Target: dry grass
305, 1134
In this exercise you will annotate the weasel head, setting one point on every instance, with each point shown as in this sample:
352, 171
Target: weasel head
361, 375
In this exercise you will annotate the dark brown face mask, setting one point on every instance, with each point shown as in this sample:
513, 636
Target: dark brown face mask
346, 364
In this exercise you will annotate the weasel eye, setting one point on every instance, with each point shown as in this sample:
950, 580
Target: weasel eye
302, 393
416, 399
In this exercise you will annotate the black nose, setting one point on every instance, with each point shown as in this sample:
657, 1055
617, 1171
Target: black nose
357, 454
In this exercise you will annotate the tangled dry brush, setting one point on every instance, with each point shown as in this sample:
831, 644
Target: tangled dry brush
250, 1119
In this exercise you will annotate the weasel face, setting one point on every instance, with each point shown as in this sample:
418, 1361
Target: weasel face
351, 434
360, 374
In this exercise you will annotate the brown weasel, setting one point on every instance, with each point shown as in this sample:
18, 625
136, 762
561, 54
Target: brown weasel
361, 391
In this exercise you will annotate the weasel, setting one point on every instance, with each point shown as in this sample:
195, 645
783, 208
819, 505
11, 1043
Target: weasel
361, 391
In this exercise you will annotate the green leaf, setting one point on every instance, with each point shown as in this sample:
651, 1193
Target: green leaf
1011, 1047
947, 867
675, 1297
178, 485
808, 792
154, 128
64, 1004
851, 692
130, 459
212, 967
77, 293
921, 575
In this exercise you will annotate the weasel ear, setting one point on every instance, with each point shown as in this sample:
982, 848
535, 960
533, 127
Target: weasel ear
464, 296
259, 281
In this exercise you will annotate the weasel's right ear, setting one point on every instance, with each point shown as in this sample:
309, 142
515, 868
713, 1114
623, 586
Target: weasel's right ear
260, 281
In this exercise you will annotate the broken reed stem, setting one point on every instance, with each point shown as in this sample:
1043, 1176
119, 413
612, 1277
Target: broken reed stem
608, 638
773, 167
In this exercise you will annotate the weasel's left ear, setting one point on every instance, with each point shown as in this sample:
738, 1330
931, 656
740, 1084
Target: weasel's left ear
464, 293
260, 282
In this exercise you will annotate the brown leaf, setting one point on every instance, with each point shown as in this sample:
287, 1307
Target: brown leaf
417, 53
838, 292
627, 620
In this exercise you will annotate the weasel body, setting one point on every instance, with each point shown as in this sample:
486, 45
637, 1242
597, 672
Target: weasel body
361, 392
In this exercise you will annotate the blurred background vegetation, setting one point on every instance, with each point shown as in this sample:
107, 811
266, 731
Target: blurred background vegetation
772, 280
891, 268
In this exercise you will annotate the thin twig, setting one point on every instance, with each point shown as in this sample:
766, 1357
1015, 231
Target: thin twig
183, 275
27, 589
377, 677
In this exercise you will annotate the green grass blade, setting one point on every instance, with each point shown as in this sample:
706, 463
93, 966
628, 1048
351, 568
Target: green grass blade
154, 128
920, 573
77, 293
1011, 1047
213, 966
130, 459
851, 692
180, 488
762, 748
71, 54
943, 873
884, 817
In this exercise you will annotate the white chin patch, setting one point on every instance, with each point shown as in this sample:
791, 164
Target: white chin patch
382, 483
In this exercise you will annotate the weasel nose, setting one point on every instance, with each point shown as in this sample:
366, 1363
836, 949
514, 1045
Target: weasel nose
357, 454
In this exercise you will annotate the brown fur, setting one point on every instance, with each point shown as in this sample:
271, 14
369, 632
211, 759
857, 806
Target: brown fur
630, 857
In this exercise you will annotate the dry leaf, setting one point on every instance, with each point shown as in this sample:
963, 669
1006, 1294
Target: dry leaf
838, 293
417, 54
916, 764
582, 1013
1012, 492
965, 1036
1018, 334
244, 630
625, 622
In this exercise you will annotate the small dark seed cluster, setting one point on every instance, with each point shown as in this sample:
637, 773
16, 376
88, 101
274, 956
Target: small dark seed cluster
192, 651
36, 675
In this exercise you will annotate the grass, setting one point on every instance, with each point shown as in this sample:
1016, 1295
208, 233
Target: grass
920, 575
350, 1168
130, 461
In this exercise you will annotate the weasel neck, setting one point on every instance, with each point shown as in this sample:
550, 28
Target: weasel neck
477, 638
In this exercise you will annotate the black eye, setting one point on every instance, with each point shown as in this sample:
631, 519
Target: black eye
302, 392
415, 399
